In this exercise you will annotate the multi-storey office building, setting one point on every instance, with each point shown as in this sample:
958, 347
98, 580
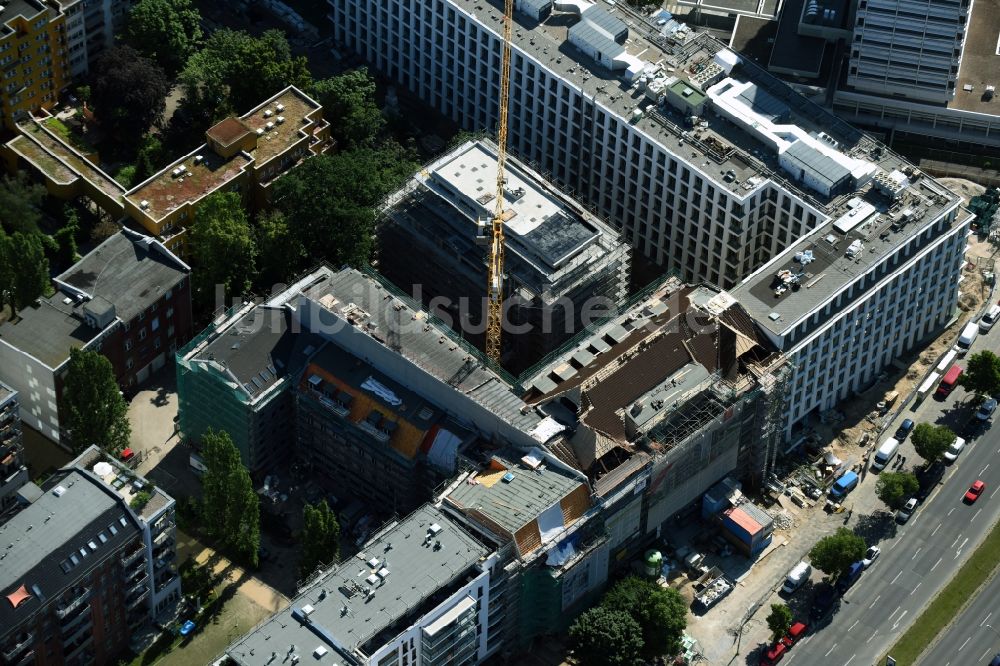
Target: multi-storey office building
909, 48
129, 299
418, 593
79, 569
560, 260
626, 118
847, 299
13, 473
33, 57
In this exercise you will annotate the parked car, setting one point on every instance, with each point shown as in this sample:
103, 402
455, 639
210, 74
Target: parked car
974, 491
905, 428
822, 601
986, 410
775, 654
956, 448
871, 556
904, 514
996, 660
795, 633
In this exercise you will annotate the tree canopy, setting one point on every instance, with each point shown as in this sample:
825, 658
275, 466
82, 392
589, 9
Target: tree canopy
329, 201
894, 488
97, 413
349, 105
24, 269
236, 71
931, 441
222, 247
780, 620
660, 612
130, 92
230, 507
982, 374
20, 203
834, 553
320, 538
165, 31
280, 250
605, 637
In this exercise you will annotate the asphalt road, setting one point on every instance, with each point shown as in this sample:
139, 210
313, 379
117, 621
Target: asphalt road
919, 557
974, 638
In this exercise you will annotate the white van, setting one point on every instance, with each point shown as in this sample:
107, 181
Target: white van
796, 577
968, 336
990, 318
885, 453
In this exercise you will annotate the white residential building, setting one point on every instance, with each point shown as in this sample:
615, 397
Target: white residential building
909, 48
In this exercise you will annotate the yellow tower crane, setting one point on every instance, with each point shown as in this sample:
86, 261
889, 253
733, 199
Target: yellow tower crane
494, 275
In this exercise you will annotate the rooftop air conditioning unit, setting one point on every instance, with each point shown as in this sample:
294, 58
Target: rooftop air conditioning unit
144, 204
198, 159
279, 119
268, 113
260, 131
269, 126
280, 108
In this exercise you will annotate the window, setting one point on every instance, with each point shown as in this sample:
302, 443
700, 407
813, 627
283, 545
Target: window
155, 324
128, 345
142, 333
129, 363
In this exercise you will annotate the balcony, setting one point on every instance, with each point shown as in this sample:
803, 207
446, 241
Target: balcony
131, 557
162, 538
373, 430
71, 651
23, 641
138, 585
76, 633
132, 603
65, 609
334, 406
74, 619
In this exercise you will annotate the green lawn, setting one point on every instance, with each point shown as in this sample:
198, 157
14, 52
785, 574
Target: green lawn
69, 136
947, 605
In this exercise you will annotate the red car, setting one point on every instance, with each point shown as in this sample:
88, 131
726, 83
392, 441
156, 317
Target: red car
975, 491
794, 635
775, 654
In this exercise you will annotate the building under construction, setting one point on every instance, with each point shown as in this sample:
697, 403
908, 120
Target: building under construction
561, 261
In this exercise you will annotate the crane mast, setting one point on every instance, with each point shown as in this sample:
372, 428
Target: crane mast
494, 315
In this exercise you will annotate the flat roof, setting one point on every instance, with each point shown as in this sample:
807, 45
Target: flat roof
205, 172
776, 306
127, 270
791, 51
5, 392
122, 481
29, 9
228, 131
714, 150
415, 569
298, 114
980, 60
55, 540
754, 37
57, 150
258, 350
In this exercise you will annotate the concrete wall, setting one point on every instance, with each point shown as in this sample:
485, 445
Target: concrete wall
36, 384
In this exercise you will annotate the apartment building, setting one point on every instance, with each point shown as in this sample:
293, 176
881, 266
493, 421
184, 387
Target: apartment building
855, 294
79, 575
630, 122
417, 593
129, 299
33, 56
562, 263
91, 26
244, 155
13, 473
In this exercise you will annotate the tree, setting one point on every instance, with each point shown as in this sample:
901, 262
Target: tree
83, 93
320, 538
982, 374
660, 612
236, 71
280, 252
349, 105
930, 441
166, 31
222, 247
894, 488
330, 200
94, 404
603, 637
780, 620
125, 176
834, 553
65, 238
25, 272
149, 159
230, 509
20, 203
130, 92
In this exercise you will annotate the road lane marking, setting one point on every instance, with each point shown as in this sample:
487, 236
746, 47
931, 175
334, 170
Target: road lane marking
894, 612
986, 619
871, 637
978, 511
851, 659
965, 643
830, 650
956, 540
935, 564
984, 469
952, 511
853, 625
915, 589
898, 574
994, 493
808, 638
959, 551
895, 625
876, 601
936, 529
917, 552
